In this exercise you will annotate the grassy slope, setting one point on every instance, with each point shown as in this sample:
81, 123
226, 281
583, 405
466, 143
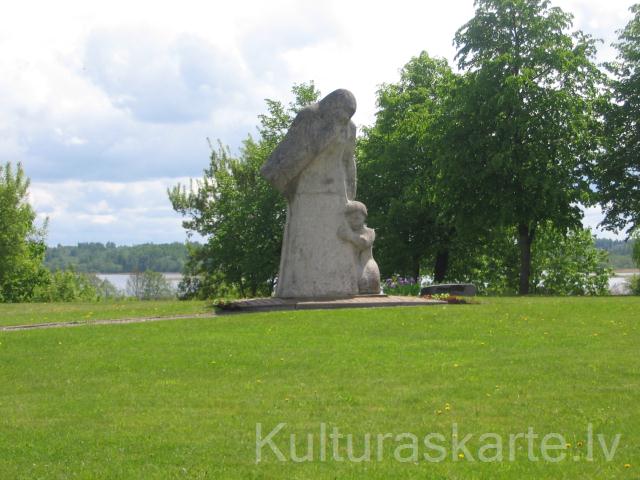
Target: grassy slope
181, 399
29, 313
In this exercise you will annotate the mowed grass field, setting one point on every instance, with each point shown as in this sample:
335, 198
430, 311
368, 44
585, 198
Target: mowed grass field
181, 399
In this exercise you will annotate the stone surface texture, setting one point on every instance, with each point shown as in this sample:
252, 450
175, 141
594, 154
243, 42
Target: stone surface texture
326, 248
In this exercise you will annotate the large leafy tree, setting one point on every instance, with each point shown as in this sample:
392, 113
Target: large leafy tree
521, 122
22, 245
618, 171
395, 168
240, 215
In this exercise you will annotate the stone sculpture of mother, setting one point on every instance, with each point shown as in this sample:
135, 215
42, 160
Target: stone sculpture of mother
314, 168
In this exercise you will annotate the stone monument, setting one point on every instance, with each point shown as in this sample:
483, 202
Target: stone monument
326, 247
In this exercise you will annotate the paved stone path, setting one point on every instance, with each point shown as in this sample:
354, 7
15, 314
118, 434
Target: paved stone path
36, 326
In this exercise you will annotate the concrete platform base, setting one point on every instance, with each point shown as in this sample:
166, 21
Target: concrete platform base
361, 301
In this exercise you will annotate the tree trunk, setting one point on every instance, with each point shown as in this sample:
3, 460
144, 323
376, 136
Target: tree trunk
441, 266
525, 239
416, 268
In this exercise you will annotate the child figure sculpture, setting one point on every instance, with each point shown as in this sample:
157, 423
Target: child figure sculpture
362, 237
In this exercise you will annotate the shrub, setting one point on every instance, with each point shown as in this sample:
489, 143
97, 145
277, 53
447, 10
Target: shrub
568, 263
71, 286
149, 285
206, 286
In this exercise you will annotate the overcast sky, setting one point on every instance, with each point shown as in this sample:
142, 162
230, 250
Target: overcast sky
107, 104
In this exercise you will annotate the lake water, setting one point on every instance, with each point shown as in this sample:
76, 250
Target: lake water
618, 284
119, 280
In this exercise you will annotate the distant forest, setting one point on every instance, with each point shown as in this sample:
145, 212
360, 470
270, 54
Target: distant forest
619, 252
171, 257
109, 258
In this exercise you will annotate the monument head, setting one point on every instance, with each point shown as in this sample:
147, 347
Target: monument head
339, 104
356, 213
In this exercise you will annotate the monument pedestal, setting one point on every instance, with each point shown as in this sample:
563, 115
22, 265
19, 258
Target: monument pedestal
358, 301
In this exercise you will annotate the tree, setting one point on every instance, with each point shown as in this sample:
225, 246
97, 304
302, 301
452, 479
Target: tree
522, 123
238, 212
22, 245
490, 263
148, 285
201, 284
395, 166
618, 170
563, 263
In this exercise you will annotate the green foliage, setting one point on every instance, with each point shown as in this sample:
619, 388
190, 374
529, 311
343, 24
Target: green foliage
634, 284
23, 276
238, 212
109, 258
635, 254
522, 122
149, 285
617, 172
395, 167
569, 263
200, 283
404, 286
21, 241
491, 264
563, 263
403, 290
70, 286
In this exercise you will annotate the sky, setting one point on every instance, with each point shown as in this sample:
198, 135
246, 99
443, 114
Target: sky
108, 104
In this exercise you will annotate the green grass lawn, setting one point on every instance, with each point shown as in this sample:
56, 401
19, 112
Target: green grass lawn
181, 399
30, 313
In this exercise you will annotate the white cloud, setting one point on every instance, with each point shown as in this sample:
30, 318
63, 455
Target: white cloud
158, 78
97, 219
102, 99
592, 218
132, 212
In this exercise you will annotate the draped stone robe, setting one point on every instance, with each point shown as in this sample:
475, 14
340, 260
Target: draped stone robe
314, 168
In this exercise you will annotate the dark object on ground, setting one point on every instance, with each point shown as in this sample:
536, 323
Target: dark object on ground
459, 289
